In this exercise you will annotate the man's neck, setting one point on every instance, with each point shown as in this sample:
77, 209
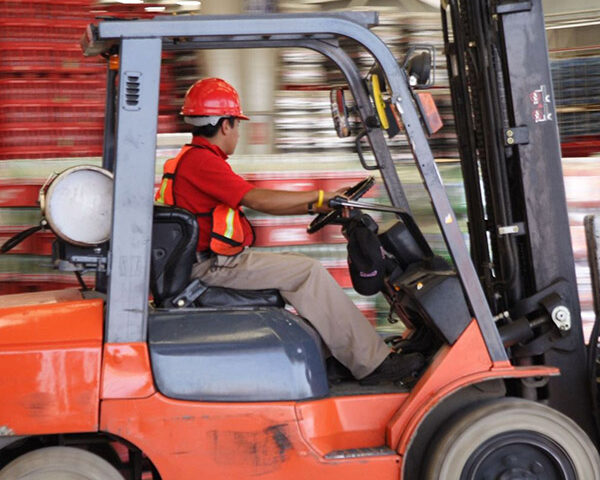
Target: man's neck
216, 140
212, 141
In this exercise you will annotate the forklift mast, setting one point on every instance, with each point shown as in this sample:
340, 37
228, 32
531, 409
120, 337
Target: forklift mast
506, 123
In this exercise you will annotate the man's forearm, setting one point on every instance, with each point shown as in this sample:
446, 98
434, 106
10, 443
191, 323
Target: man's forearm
281, 202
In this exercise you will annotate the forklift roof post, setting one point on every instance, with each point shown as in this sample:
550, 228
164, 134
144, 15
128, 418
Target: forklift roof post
141, 43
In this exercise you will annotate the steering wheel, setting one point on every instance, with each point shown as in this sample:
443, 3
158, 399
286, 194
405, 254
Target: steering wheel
353, 193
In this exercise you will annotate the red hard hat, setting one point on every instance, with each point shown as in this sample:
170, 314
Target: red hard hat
212, 97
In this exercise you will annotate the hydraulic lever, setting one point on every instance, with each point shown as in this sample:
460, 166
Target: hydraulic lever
339, 201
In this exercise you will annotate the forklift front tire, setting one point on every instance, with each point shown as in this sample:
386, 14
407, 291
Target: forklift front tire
513, 438
58, 463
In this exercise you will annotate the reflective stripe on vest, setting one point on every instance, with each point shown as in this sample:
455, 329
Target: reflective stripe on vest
229, 223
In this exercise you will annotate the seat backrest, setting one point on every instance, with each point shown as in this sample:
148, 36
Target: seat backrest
174, 240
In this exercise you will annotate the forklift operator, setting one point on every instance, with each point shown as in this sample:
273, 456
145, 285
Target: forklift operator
204, 183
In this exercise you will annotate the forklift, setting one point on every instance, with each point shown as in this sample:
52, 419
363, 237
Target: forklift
207, 382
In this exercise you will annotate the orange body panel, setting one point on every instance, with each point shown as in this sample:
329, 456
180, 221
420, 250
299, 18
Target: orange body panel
50, 357
465, 363
347, 422
467, 356
191, 440
126, 371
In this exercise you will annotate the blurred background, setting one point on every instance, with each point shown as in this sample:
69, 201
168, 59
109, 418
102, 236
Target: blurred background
52, 114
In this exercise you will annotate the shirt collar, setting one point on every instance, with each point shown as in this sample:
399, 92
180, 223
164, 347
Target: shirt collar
211, 146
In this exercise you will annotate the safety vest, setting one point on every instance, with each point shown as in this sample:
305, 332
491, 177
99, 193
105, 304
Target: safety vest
164, 194
228, 232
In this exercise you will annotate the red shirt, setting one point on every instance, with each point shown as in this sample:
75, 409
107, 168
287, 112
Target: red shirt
203, 180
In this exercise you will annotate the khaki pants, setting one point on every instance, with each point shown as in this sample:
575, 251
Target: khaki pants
306, 285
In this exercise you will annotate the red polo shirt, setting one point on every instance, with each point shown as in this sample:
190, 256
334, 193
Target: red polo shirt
203, 180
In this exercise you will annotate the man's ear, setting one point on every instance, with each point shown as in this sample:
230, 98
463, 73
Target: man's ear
225, 126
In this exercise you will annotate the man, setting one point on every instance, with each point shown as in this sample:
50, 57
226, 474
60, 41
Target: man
204, 181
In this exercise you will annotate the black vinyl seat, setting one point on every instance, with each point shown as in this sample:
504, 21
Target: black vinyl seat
174, 238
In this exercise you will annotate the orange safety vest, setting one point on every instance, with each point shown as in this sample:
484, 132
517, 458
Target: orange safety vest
227, 232
164, 194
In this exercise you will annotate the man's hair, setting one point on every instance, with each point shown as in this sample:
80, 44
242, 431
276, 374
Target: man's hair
210, 131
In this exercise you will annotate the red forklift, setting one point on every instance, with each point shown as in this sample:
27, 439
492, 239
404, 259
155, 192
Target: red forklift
207, 382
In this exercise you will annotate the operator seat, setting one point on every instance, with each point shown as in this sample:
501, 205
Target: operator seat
222, 354
174, 238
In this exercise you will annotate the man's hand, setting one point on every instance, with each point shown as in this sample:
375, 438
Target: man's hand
328, 196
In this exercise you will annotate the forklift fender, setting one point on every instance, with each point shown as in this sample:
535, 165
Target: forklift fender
441, 407
465, 363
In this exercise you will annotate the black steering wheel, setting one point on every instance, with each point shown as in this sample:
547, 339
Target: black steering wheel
353, 193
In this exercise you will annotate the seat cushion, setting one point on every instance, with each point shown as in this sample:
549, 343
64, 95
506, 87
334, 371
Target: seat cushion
227, 297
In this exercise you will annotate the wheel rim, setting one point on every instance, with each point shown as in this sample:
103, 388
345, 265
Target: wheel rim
519, 455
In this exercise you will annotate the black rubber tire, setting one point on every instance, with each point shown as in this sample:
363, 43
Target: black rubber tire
517, 423
59, 463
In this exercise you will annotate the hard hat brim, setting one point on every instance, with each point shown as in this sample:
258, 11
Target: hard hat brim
203, 120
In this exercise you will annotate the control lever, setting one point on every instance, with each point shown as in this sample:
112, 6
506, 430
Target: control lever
339, 201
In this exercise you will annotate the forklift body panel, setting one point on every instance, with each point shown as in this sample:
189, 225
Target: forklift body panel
50, 359
270, 440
